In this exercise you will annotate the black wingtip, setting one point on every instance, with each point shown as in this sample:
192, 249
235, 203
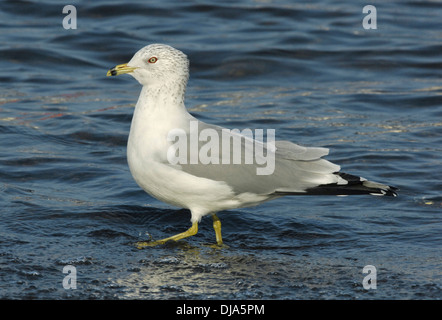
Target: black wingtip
355, 186
391, 191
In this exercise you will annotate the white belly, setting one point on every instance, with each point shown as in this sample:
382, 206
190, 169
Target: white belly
169, 184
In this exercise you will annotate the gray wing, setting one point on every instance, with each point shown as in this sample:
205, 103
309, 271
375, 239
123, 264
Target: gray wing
248, 165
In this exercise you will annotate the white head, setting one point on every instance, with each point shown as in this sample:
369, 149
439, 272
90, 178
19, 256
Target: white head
156, 65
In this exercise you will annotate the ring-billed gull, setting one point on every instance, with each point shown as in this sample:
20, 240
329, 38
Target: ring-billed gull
204, 174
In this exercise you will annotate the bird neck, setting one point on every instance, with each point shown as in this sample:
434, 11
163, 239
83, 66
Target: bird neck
160, 105
164, 98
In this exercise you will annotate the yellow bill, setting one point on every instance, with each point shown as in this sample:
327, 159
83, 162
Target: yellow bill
120, 69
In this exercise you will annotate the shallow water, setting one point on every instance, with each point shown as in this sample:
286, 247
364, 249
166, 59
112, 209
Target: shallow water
310, 71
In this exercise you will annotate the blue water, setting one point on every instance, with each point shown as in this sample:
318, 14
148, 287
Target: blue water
308, 70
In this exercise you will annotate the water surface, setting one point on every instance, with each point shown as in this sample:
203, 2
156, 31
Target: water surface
310, 71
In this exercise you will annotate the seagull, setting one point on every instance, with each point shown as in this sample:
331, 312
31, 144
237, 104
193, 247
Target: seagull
219, 169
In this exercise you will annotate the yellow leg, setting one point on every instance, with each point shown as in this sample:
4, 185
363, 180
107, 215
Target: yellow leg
190, 232
217, 227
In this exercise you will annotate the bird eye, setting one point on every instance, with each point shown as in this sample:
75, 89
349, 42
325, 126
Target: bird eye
152, 60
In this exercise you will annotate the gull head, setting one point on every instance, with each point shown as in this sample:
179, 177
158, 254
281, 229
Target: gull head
155, 64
